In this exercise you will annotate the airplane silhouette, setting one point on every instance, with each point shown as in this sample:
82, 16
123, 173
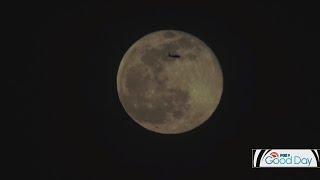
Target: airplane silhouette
174, 55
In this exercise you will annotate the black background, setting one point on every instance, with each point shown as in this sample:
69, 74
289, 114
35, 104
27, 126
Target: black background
79, 130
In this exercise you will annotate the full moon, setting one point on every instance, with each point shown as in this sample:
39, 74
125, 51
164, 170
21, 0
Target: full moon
169, 82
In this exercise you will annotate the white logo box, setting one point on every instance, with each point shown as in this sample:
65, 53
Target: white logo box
285, 158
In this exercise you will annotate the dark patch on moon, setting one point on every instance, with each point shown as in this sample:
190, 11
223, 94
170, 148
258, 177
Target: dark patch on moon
151, 59
146, 110
185, 43
179, 98
169, 34
136, 79
155, 109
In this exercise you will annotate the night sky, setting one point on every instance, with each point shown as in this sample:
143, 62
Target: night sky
79, 129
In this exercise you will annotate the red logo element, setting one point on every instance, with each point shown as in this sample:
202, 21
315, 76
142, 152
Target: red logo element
274, 154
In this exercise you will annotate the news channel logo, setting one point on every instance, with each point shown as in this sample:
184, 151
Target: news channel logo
285, 158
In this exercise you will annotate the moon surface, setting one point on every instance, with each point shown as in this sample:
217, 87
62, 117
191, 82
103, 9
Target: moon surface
169, 82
